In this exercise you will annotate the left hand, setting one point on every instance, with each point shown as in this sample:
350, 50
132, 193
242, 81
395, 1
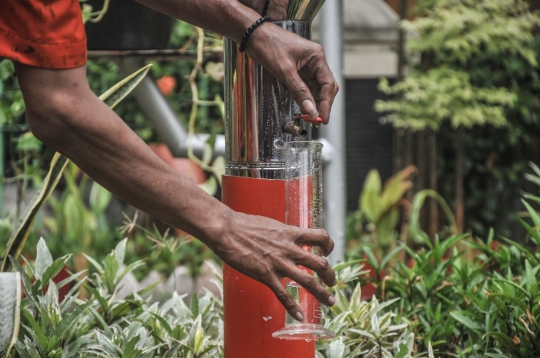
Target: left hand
277, 9
300, 64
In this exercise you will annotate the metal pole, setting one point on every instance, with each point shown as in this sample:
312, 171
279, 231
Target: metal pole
335, 189
162, 115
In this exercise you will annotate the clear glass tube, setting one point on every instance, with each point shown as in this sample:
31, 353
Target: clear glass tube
303, 190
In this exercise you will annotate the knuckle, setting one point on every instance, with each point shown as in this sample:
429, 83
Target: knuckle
299, 90
282, 296
311, 282
323, 264
318, 48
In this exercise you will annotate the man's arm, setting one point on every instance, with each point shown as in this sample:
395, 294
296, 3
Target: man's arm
65, 114
299, 63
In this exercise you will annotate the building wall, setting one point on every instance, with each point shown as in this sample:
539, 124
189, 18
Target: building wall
369, 144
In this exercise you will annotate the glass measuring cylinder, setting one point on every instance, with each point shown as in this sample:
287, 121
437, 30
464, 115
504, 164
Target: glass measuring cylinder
303, 190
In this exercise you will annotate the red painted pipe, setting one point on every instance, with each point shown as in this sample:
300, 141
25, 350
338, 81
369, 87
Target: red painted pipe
252, 311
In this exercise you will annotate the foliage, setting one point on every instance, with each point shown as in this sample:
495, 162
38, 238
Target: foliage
453, 38
378, 210
474, 63
11, 101
361, 327
76, 225
443, 94
488, 306
165, 252
104, 326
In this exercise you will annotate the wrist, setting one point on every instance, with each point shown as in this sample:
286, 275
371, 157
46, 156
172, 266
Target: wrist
250, 30
260, 39
215, 232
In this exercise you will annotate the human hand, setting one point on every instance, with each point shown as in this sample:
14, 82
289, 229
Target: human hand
277, 9
267, 251
300, 64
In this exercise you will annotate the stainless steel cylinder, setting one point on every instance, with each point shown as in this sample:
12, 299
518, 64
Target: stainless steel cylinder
257, 107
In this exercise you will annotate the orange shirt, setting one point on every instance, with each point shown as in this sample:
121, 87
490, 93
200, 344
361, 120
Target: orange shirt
43, 33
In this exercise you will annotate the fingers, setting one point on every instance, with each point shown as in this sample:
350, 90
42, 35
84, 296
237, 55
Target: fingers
316, 237
326, 99
329, 87
277, 9
257, 5
320, 265
286, 300
312, 285
301, 93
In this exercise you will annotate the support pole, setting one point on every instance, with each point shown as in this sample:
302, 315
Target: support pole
335, 189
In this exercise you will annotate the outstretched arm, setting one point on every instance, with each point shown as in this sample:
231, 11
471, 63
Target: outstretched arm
299, 63
65, 114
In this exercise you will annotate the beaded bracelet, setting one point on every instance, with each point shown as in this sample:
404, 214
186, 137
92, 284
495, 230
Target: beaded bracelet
250, 31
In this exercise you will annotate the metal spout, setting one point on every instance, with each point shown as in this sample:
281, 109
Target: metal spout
303, 10
294, 128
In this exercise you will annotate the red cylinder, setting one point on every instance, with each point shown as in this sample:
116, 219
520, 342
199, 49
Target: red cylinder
252, 311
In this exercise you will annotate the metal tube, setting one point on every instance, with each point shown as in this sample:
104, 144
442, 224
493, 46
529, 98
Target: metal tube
258, 108
335, 192
159, 111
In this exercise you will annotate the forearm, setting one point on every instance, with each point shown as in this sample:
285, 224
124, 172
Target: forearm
66, 115
120, 161
226, 17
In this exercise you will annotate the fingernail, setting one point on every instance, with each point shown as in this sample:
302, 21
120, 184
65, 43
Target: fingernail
310, 108
331, 300
299, 316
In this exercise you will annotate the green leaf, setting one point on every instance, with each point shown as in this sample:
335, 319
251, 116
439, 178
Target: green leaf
43, 259
42, 339
94, 263
370, 197
69, 321
375, 325
532, 231
130, 351
530, 276
336, 348
465, 319
418, 202
198, 338
505, 342
10, 292
120, 251
173, 351
53, 270
99, 198
195, 304
534, 215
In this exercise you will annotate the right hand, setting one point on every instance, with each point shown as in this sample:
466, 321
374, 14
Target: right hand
267, 251
300, 64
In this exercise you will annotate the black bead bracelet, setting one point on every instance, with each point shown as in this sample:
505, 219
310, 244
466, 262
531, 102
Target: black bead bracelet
250, 31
